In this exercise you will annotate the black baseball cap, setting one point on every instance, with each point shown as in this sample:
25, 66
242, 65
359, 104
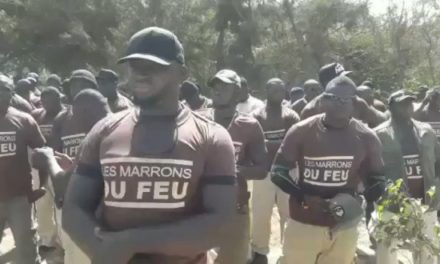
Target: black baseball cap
107, 74
226, 76
346, 210
154, 44
6, 82
82, 74
330, 71
401, 96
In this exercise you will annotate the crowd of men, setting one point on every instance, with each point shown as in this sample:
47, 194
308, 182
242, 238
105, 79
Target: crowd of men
161, 174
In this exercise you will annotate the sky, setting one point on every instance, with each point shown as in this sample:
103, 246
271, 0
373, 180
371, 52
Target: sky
379, 7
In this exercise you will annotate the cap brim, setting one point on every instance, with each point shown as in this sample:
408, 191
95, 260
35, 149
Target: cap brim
344, 73
147, 57
220, 78
404, 98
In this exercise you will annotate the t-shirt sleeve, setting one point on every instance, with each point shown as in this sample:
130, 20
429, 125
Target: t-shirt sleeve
88, 157
289, 151
291, 119
35, 138
375, 164
256, 150
220, 160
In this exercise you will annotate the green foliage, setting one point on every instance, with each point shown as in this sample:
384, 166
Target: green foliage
260, 39
401, 220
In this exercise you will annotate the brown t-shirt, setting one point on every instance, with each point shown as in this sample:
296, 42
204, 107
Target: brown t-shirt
120, 104
67, 133
18, 132
275, 126
330, 161
44, 121
432, 118
143, 189
21, 104
411, 159
248, 138
362, 111
299, 105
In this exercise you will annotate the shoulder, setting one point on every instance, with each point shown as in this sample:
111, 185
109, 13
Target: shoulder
20, 116
303, 126
243, 119
382, 128
209, 129
37, 112
289, 113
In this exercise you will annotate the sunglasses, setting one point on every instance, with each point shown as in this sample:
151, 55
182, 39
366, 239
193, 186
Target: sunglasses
338, 99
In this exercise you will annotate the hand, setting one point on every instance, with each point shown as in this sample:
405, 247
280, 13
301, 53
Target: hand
35, 195
316, 203
65, 162
41, 158
111, 249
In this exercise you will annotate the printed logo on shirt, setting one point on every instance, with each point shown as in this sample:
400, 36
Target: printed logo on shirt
275, 134
412, 167
145, 183
8, 145
238, 147
436, 127
329, 171
71, 144
46, 130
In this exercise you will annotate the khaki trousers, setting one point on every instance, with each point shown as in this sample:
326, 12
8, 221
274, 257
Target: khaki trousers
265, 195
385, 254
235, 246
308, 244
46, 227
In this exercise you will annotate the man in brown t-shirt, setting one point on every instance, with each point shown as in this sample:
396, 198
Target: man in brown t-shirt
275, 120
412, 153
164, 176
18, 132
334, 154
51, 101
108, 86
250, 158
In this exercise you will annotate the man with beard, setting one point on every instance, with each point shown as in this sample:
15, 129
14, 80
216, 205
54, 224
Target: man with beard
275, 120
248, 103
312, 89
190, 93
334, 153
18, 132
165, 194
108, 86
429, 110
250, 158
51, 101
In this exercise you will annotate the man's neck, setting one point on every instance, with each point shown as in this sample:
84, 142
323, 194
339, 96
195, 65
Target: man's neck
196, 101
54, 111
338, 123
245, 98
112, 97
273, 107
224, 115
402, 123
166, 106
